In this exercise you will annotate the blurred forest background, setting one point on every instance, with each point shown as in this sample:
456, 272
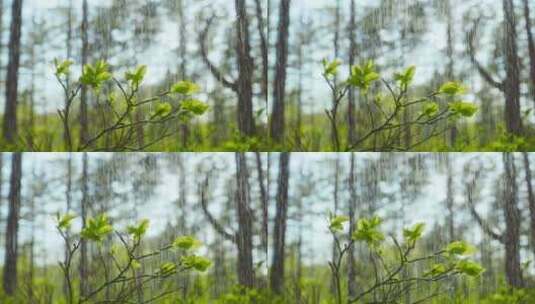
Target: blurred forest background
263, 84
263, 221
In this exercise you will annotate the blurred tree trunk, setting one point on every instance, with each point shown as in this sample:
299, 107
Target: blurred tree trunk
12, 229
244, 237
512, 82
450, 70
531, 48
12, 76
263, 47
352, 54
450, 201
531, 199
279, 85
513, 269
352, 267
334, 254
245, 67
264, 202
84, 287
279, 231
84, 132
182, 52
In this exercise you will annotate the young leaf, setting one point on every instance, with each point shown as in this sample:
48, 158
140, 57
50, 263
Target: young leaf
95, 75
196, 262
337, 223
414, 233
186, 242
459, 248
138, 231
136, 77
430, 109
368, 231
97, 228
63, 67
469, 268
185, 88
330, 68
436, 270
452, 89
465, 109
163, 109
167, 269
363, 76
405, 78
194, 106
64, 221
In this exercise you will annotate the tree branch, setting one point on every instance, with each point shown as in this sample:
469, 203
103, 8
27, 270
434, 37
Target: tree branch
217, 226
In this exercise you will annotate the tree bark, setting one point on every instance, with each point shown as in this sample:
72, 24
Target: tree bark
513, 118
12, 76
11, 246
84, 132
279, 230
513, 270
351, 94
531, 48
531, 198
352, 267
245, 70
264, 201
244, 237
84, 288
279, 85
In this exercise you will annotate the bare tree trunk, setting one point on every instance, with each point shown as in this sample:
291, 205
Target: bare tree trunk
279, 231
11, 246
264, 202
352, 267
352, 52
279, 85
84, 132
245, 67
531, 199
182, 50
12, 76
334, 255
450, 67
512, 82
244, 238
84, 288
263, 47
531, 48
450, 202
513, 270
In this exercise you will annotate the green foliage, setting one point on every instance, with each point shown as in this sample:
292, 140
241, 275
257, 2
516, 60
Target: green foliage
337, 223
135, 78
414, 233
469, 268
63, 67
185, 88
465, 109
330, 68
186, 242
362, 76
430, 109
459, 248
163, 109
97, 228
167, 269
139, 230
64, 221
368, 231
452, 89
95, 75
405, 78
194, 106
196, 262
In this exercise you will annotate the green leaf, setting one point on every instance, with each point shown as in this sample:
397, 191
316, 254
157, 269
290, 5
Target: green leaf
465, 109
194, 106
94, 76
136, 77
363, 76
330, 68
196, 262
430, 109
436, 270
414, 233
63, 67
368, 231
185, 88
469, 268
452, 89
64, 221
97, 228
138, 231
186, 242
337, 223
163, 109
459, 248
406, 77
167, 269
